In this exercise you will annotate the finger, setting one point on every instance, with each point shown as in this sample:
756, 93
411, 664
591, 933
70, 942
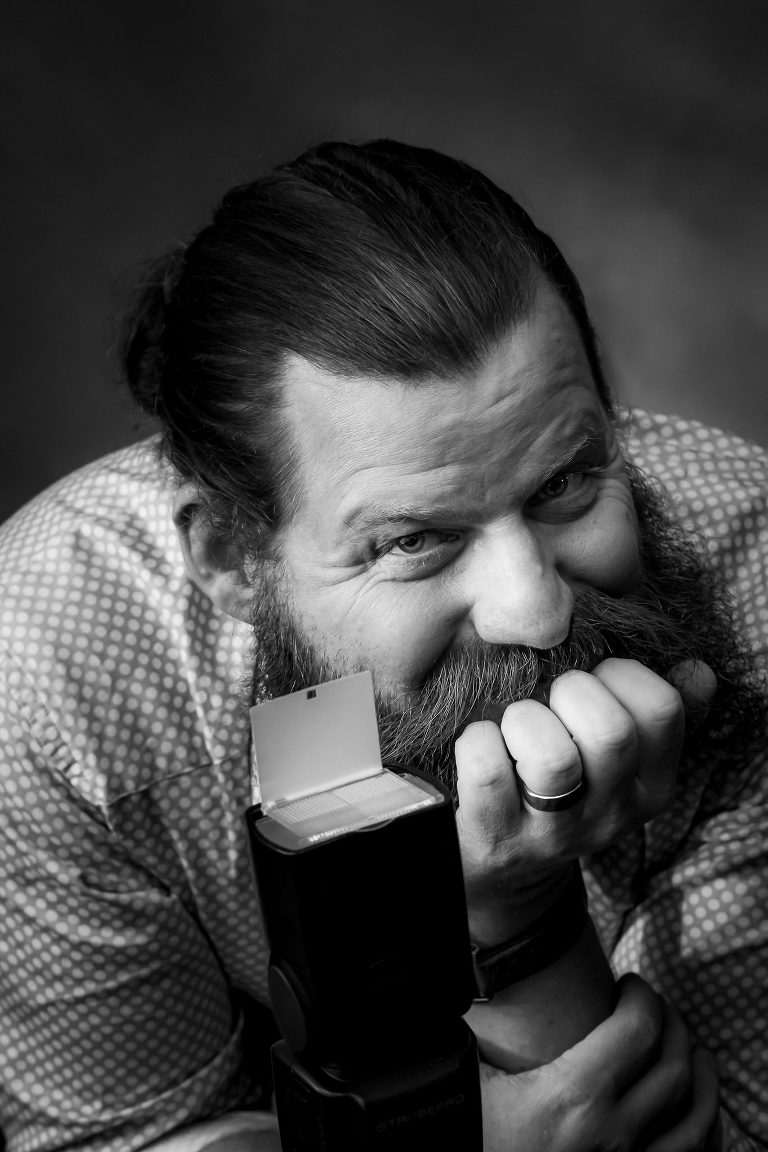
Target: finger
602, 729
621, 1049
656, 709
700, 1127
661, 1097
515, 1105
546, 758
697, 684
485, 782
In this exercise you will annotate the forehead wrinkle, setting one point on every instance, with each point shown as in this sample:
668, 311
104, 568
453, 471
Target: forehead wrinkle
516, 395
461, 498
389, 503
484, 438
545, 417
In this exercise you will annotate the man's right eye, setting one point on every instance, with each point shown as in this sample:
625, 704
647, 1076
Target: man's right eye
421, 549
412, 544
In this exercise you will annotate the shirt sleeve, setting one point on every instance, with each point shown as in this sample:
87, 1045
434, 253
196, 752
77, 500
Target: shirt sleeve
116, 1018
700, 936
700, 933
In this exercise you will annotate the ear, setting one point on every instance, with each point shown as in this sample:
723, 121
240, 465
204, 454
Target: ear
215, 564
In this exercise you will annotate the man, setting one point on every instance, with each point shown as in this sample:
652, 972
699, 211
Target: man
391, 446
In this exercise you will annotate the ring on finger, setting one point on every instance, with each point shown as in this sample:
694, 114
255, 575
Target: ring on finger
559, 803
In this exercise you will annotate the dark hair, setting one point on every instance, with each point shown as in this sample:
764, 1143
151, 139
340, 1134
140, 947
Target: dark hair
380, 260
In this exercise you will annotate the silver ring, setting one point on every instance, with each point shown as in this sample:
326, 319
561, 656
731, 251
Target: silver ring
557, 803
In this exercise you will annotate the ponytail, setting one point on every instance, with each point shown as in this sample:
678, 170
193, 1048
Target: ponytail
142, 343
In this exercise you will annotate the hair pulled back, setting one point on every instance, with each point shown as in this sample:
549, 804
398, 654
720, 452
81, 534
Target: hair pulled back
381, 259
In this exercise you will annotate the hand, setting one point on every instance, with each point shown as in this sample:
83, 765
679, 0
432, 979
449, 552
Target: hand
620, 728
635, 1083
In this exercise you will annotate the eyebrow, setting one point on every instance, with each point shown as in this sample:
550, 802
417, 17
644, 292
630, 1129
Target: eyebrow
593, 437
379, 515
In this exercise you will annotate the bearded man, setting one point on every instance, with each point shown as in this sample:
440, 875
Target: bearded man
387, 444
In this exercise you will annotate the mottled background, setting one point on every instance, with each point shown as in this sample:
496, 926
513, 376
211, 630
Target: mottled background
636, 132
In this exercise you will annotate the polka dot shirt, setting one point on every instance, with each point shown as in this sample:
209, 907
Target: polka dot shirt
131, 931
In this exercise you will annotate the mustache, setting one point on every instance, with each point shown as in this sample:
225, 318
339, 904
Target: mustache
682, 610
479, 681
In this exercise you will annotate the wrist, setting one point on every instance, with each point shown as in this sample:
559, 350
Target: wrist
544, 940
533, 1021
501, 916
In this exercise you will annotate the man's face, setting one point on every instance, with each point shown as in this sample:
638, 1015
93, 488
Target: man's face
444, 516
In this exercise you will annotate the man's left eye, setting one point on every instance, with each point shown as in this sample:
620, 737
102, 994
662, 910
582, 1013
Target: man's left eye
571, 486
558, 485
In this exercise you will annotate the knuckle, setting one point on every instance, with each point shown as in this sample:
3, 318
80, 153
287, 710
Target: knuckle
647, 1035
590, 1121
554, 770
577, 1099
480, 755
667, 706
485, 772
616, 736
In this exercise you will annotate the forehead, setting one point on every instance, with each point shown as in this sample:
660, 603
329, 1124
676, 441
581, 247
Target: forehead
362, 443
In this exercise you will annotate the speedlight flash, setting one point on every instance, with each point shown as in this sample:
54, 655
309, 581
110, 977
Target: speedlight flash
361, 891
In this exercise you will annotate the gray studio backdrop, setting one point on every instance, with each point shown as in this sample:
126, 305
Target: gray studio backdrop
636, 132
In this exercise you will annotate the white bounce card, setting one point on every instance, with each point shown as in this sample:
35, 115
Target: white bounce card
318, 762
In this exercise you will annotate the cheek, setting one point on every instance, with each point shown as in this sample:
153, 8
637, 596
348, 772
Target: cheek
410, 633
420, 635
609, 550
395, 631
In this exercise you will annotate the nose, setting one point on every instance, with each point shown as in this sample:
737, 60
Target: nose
515, 591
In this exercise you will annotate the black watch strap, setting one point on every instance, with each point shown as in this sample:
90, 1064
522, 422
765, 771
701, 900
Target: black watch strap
547, 940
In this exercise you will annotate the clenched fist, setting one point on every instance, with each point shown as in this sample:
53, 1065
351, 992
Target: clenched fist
636, 1083
619, 729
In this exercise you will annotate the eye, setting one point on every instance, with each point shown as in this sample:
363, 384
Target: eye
420, 554
417, 543
557, 486
411, 545
566, 494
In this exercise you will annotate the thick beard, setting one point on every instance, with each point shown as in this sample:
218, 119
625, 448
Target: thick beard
681, 611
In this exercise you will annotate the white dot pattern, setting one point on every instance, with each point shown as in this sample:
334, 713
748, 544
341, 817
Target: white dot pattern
128, 906
129, 911
683, 901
